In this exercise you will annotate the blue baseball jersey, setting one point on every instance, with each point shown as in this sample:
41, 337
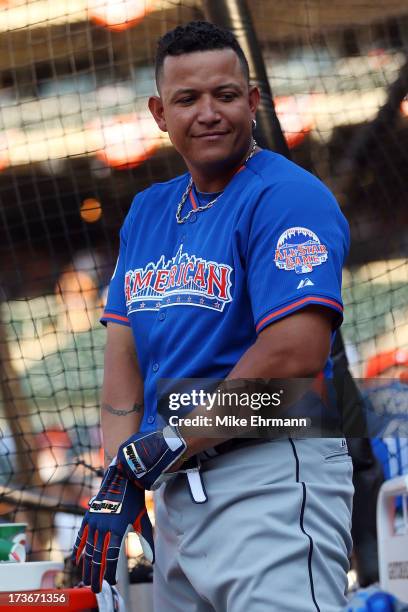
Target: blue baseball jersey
197, 294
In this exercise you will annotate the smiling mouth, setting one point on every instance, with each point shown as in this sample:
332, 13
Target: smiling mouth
212, 135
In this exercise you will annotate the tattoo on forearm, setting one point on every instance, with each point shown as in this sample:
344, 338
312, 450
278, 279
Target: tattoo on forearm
136, 408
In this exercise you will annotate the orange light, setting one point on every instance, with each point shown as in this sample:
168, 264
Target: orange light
124, 141
295, 118
4, 152
118, 14
91, 210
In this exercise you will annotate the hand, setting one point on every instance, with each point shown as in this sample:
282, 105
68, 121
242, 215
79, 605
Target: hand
148, 457
120, 504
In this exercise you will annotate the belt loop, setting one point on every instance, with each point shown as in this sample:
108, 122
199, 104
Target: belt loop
195, 481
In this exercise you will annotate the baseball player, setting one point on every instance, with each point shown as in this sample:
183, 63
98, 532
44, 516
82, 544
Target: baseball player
230, 271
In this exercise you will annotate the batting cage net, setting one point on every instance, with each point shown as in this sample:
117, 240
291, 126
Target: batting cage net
77, 142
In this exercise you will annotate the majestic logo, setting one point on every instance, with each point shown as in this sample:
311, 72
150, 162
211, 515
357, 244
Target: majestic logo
305, 282
299, 249
184, 279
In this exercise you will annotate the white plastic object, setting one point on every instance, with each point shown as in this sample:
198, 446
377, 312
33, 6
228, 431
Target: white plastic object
29, 576
392, 542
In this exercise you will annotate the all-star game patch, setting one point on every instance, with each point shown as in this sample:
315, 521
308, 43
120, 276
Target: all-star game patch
300, 250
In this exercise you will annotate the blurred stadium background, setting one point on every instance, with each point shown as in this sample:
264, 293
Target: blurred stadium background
77, 142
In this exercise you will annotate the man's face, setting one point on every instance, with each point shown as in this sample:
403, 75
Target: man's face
206, 106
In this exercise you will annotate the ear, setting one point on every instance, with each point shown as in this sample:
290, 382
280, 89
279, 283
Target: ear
157, 110
254, 97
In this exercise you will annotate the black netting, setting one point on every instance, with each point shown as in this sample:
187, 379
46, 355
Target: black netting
76, 144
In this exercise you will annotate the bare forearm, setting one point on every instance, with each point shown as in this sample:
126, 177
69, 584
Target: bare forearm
252, 365
122, 392
118, 423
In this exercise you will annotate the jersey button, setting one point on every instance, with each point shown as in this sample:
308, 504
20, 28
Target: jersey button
193, 218
150, 420
155, 367
162, 315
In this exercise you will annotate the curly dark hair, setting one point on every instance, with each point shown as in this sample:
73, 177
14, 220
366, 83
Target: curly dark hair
197, 36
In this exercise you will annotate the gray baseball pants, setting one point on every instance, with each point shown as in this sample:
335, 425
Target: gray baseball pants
274, 535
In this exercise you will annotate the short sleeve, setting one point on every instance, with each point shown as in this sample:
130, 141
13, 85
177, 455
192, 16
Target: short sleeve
297, 246
115, 309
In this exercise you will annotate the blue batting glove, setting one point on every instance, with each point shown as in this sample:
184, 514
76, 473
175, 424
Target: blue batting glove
120, 504
147, 457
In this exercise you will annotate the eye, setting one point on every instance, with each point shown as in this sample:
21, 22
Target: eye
227, 96
186, 100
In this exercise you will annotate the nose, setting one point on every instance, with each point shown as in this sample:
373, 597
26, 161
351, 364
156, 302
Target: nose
208, 113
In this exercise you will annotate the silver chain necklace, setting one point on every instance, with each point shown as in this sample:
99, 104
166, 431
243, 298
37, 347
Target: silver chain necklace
181, 219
